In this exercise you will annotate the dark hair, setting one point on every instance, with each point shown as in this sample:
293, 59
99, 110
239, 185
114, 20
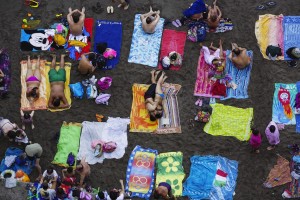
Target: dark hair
272, 128
236, 51
56, 102
19, 132
101, 195
214, 18
101, 47
76, 193
45, 186
148, 20
255, 131
26, 116
76, 16
158, 115
12, 134
152, 118
91, 56
70, 170
156, 195
113, 195
60, 193
33, 93
173, 56
206, 108
50, 169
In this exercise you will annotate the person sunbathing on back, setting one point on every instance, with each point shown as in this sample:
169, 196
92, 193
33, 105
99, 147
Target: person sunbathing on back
57, 80
239, 57
76, 21
150, 20
214, 16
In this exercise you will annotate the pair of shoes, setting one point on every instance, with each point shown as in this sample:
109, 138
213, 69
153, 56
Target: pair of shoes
199, 102
97, 9
110, 9
266, 5
176, 23
292, 63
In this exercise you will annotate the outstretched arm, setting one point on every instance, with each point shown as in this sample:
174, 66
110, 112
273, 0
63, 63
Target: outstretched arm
22, 113
32, 113
82, 15
219, 11
1, 73
122, 186
157, 17
65, 102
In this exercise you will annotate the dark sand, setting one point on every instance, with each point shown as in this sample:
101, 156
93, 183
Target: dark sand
253, 169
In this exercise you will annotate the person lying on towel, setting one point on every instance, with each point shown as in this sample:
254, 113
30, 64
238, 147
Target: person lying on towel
57, 80
76, 21
214, 16
150, 20
239, 57
293, 53
33, 80
154, 96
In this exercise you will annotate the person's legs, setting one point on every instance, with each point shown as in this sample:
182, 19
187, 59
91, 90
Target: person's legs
221, 49
234, 46
62, 61
38, 167
53, 63
29, 68
37, 72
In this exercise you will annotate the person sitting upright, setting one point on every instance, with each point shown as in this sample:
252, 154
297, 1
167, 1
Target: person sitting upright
76, 21
239, 57
150, 20
57, 80
214, 16
87, 63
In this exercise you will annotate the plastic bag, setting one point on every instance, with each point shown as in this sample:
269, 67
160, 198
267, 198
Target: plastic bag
77, 90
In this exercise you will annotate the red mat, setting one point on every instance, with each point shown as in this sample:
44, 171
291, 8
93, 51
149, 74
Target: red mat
172, 41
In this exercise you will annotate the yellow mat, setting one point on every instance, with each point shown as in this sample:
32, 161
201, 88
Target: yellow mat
41, 103
67, 88
139, 116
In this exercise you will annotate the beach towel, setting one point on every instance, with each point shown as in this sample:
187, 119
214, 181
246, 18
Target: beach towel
170, 122
291, 33
139, 116
283, 103
269, 31
140, 172
5, 67
225, 25
279, 174
67, 88
36, 40
86, 37
203, 173
172, 41
203, 85
114, 130
297, 116
197, 7
111, 33
239, 77
12, 151
68, 142
170, 170
230, 121
145, 47
41, 102
294, 186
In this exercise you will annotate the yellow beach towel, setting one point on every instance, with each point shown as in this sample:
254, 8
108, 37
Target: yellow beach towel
139, 116
41, 103
67, 88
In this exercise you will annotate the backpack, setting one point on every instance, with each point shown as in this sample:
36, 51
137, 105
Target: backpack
197, 32
71, 159
109, 147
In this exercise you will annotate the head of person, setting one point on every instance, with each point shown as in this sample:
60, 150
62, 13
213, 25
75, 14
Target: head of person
56, 102
79, 167
33, 94
236, 51
152, 116
60, 193
45, 185
296, 52
76, 16
26, 116
272, 128
255, 131
173, 56
148, 20
217, 62
101, 47
92, 57
19, 132
101, 195
12, 134
50, 170
213, 18
70, 170
114, 194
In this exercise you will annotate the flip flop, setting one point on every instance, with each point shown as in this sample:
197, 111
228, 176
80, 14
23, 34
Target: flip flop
175, 24
261, 7
292, 63
178, 22
271, 3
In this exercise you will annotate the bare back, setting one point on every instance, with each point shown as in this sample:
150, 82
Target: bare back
85, 66
241, 61
57, 89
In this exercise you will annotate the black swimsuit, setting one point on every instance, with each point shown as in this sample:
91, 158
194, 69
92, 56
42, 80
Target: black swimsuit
150, 93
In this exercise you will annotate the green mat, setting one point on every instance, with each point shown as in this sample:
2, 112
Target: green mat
68, 142
170, 170
230, 121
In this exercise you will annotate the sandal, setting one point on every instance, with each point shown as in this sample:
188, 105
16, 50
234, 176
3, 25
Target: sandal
178, 22
32, 3
175, 24
271, 3
261, 7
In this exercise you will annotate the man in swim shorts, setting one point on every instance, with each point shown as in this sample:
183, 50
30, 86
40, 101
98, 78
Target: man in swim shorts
57, 80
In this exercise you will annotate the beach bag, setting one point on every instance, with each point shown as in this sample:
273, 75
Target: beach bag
71, 159
77, 90
91, 92
273, 52
197, 32
109, 147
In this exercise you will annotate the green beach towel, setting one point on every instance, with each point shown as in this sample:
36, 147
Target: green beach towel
170, 170
230, 121
68, 142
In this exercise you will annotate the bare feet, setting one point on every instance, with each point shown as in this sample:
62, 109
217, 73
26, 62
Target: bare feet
270, 148
23, 127
32, 126
211, 45
257, 151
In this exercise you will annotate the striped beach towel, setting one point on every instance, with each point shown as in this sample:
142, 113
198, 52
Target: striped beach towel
291, 27
140, 172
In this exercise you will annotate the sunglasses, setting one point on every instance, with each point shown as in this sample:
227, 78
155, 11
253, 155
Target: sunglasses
32, 3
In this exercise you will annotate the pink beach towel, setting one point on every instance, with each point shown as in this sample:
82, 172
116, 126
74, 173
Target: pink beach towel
172, 41
203, 85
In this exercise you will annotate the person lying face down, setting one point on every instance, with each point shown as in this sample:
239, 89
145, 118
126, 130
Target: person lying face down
33, 80
57, 81
150, 20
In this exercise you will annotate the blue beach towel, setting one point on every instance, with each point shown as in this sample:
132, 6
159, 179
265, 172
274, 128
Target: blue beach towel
111, 33
197, 7
298, 115
5, 67
145, 47
291, 34
280, 111
239, 77
12, 151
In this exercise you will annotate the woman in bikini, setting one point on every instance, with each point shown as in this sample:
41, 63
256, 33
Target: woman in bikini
33, 80
154, 95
